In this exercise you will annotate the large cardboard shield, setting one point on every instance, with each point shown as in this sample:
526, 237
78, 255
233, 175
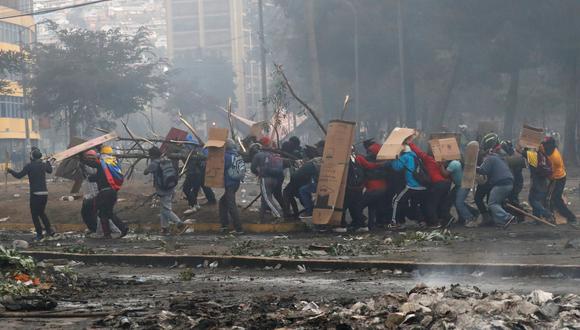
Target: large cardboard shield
471, 153
333, 173
394, 143
445, 149
531, 137
214, 167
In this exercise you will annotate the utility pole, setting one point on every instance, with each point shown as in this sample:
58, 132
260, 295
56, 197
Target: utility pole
263, 60
25, 104
402, 61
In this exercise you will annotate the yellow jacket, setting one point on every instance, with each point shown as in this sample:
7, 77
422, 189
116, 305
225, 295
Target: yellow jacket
558, 167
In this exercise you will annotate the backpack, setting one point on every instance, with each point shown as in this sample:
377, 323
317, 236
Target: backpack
420, 173
273, 166
167, 177
356, 175
237, 169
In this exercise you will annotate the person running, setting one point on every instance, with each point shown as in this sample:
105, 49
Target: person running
109, 179
499, 178
540, 172
165, 180
234, 173
36, 171
195, 178
557, 180
458, 195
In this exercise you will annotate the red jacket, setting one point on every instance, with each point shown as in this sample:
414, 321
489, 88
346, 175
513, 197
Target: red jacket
372, 184
431, 166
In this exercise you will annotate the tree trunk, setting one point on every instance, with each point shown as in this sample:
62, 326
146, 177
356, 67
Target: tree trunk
511, 104
438, 117
313, 57
571, 114
72, 121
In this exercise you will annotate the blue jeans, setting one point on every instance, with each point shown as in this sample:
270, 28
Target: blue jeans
305, 193
497, 196
466, 213
536, 199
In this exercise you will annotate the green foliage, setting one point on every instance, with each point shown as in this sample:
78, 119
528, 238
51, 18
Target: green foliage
186, 275
94, 76
242, 248
10, 257
79, 248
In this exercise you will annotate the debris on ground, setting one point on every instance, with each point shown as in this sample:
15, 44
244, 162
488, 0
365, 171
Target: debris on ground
456, 307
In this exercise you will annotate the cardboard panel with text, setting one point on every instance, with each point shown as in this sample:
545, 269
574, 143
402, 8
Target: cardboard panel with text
214, 167
333, 173
531, 137
445, 149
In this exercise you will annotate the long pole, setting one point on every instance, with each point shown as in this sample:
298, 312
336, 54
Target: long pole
263, 60
26, 103
402, 61
356, 59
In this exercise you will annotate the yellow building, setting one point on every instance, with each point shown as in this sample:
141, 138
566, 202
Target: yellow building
13, 33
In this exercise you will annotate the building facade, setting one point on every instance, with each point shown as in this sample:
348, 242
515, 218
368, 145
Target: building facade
221, 28
14, 32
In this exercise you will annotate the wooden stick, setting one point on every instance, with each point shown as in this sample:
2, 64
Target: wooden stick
529, 215
7, 165
345, 106
188, 125
252, 202
312, 113
132, 136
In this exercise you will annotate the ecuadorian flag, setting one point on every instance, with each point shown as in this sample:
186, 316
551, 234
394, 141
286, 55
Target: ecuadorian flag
113, 171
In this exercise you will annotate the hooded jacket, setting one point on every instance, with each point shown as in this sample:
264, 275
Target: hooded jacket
406, 162
431, 166
497, 170
375, 174
230, 156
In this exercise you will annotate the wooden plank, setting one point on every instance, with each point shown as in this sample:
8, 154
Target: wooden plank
529, 215
471, 153
83, 147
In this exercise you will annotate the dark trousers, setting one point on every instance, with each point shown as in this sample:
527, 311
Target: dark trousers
436, 207
89, 213
479, 198
352, 203
290, 193
402, 198
271, 188
375, 202
106, 200
228, 209
557, 203
37, 207
193, 183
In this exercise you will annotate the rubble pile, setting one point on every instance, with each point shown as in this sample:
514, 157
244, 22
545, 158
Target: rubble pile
456, 307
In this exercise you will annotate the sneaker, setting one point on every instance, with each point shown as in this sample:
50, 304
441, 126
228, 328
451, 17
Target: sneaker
189, 221
124, 232
362, 230
508, 223
164, 231
51, 233
38, 237
190, 211
473, 223
339, 230
306, 216
237, 232
224, 230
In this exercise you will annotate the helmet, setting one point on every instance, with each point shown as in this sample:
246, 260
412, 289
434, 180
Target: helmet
106, 150
489, 141
508, 147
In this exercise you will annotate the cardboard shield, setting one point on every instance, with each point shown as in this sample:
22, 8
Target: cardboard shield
445, 149
214, 167
531, 137
471, 153
394, 143
333, 173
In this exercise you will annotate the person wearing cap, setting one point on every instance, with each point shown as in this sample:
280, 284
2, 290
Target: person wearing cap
499, 178
108, 187
557, 180
90, 192
228, 209
36, 171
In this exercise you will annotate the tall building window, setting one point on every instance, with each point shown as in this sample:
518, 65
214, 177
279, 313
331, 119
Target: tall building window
11, 33
11, 106
20, 5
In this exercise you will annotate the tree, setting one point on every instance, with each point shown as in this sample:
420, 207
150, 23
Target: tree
10, 65
94, 76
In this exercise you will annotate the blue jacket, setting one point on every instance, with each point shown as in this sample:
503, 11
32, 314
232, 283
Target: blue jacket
497, 170
406, 162
228, 161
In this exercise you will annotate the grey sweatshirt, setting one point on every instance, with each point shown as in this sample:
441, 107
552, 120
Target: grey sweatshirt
496, 170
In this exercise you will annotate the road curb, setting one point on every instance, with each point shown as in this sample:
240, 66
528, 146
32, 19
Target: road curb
498, 269
202, 227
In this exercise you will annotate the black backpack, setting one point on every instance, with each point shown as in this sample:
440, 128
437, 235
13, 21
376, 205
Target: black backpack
167, 177
356, 175
420, 173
